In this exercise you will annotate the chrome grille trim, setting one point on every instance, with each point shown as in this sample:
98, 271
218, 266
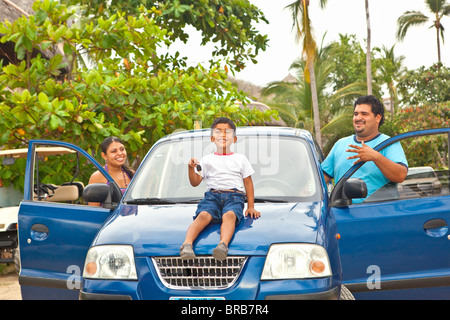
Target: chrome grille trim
203, 272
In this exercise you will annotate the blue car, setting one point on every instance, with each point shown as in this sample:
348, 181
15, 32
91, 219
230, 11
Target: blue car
311, 241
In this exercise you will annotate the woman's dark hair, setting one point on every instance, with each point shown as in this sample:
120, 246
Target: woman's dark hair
375, 103
105, 145
223, 120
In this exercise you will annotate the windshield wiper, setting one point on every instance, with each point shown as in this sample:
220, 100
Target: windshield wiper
150, 201
260, 199
194, 200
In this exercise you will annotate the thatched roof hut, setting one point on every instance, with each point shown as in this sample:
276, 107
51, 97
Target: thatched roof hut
290, 79
12, 10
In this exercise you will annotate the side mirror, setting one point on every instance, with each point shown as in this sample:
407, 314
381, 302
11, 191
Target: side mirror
353, 188
109, 195
96, 192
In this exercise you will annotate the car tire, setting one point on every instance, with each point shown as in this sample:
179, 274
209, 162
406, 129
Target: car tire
346, 294
17, 260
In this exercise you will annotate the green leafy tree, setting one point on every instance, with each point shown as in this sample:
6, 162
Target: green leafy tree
227, 23
131, 92
424, 86
429, 150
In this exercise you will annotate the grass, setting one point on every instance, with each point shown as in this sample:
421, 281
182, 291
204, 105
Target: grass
6, 268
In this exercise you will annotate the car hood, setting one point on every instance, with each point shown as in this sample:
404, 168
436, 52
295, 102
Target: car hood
160, 230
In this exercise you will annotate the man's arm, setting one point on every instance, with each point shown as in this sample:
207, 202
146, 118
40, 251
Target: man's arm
394, 172
248, 184
327, 178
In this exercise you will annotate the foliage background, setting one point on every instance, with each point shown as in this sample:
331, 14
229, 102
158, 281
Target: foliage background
107, 77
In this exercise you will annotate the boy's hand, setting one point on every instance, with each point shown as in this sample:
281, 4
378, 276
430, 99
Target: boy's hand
193, 163
252, 212
194, 177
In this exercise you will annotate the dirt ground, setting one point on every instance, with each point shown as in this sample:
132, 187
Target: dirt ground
9, 287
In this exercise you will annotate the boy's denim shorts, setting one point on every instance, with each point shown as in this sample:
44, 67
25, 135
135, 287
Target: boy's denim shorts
216, 204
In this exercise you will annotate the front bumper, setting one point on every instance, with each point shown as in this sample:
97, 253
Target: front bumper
247, 287
102, 296
332, 294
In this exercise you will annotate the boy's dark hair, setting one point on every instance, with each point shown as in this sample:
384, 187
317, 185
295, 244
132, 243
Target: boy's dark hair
375, 103
223, 120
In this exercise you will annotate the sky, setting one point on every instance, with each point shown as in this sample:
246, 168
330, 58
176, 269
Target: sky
343, 17
338, 17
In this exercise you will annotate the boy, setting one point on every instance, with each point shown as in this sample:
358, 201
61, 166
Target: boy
226, 175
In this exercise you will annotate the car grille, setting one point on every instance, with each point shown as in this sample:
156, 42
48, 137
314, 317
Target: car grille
199, 273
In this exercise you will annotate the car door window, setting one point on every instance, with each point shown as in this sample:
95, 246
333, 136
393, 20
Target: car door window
428, 172
60, 175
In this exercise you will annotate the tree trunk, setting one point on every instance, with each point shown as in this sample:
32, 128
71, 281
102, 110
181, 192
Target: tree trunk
315, 102
368, 53
438, 25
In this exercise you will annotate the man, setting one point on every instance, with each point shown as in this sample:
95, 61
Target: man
390, 164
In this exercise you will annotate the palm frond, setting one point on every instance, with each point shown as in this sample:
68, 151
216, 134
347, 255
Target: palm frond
445, 11
435, 5
407, 20
323, 3
341, 121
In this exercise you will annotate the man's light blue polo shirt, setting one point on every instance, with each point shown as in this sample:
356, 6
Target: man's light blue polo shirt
336, 164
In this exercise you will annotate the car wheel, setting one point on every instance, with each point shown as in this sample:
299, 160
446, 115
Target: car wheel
17, 260
346, 294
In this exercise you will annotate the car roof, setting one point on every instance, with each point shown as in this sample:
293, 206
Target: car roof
42, 151
243, 131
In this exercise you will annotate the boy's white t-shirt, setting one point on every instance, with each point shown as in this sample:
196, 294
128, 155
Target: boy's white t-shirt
224, 172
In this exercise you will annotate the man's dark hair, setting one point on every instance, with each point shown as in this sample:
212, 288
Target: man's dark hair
375, 103
223, 120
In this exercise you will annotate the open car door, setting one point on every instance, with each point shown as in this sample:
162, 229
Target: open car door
395, 244
56, 227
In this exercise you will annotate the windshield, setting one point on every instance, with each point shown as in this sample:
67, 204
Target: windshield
283, 169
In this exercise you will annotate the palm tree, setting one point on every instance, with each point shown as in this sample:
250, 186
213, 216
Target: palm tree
368, 51
439, 8
302, 23
293, 100
392, 68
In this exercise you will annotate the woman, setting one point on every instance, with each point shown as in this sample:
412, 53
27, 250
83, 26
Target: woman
115, 155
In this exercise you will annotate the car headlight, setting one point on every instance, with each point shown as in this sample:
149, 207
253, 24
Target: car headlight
110, 262
296, 261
